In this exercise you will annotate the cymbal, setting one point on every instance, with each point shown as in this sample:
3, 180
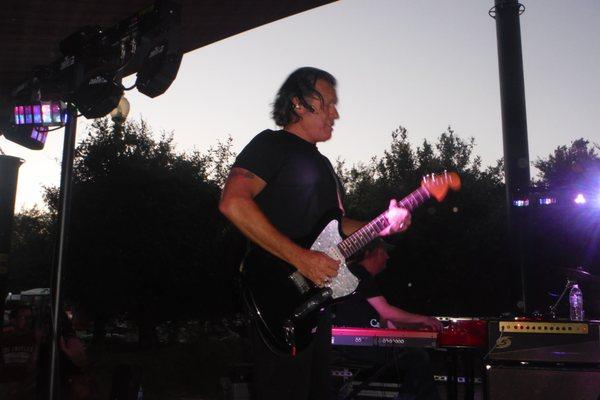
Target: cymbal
579, 275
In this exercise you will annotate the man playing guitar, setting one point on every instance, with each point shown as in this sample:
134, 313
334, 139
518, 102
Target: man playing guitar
278, 189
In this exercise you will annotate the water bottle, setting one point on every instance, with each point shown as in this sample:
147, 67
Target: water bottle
140, 394
576, 303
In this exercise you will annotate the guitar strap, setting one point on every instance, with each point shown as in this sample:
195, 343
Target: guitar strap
338, 185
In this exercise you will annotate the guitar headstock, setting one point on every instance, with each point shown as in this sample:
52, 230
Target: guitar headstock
438, 184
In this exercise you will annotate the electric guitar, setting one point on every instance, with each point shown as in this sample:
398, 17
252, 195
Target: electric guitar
286, 305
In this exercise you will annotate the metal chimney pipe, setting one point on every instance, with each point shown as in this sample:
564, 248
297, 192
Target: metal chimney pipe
9, 173
514, 136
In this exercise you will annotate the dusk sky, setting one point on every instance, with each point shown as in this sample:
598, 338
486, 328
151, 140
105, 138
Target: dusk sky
423, 65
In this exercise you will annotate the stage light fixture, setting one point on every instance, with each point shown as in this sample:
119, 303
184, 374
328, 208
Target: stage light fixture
580, 199
521, 203
98, 95
41, 113
29, 123
158, 71
159, 48
547, 201
32, 137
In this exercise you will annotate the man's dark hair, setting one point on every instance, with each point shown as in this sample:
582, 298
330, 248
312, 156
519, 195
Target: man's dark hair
301, 84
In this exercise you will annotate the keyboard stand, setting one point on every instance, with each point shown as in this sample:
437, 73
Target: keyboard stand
364, 384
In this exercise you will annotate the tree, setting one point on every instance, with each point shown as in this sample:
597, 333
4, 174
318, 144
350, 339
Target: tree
574, 166
450, 244
32, 249
144, 230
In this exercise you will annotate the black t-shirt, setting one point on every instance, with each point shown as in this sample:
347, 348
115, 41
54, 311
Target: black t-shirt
355, 311
301, 183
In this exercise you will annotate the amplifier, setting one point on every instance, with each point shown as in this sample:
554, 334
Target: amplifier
524, 383
535, 341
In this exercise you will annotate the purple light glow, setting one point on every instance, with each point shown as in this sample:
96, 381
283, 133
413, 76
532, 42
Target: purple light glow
545, 201
521, 203
46, 113
579, 199
55, 107
37, 114
39, 134
28, 116
21, 115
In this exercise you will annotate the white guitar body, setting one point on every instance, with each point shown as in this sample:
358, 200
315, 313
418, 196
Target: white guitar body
345, 283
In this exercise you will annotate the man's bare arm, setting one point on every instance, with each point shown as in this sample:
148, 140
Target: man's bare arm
388, 312
238, 205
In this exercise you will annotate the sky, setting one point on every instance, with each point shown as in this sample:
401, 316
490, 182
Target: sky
424, 65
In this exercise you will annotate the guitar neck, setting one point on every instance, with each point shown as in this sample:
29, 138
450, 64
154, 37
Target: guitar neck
370, 231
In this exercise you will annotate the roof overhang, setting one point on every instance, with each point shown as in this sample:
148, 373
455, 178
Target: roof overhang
31, 30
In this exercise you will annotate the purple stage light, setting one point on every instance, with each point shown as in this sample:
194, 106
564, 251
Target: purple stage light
28, 115
45, 113
580, 199
546, 201
56, 112
521, 203
39, 134
37, 114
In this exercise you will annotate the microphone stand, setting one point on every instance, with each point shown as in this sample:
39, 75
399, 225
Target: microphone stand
554, 306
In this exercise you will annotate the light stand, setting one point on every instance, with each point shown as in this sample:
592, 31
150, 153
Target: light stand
66, 180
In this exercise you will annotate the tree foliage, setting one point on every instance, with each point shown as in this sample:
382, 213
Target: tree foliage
145, 232
449, 244
569, 166
32, 250
146, 238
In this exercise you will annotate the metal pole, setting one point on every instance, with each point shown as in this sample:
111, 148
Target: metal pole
514, 135
64, 214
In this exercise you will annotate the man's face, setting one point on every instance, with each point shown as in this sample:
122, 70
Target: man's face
319, 123
376, 260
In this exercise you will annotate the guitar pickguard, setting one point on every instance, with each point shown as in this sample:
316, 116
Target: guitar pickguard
345, 283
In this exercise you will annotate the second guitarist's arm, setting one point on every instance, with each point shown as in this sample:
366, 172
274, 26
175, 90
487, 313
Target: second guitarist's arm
238, 205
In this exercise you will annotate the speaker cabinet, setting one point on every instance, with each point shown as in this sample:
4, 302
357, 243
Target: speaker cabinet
552, 383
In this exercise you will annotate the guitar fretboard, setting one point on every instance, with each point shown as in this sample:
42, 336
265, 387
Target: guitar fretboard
370, 231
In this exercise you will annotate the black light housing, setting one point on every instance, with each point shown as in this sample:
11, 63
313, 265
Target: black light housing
98, 95
32, 137
159, 70
160, 49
